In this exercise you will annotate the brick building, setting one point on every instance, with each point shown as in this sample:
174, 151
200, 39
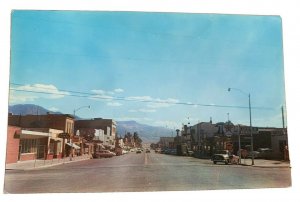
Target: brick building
107, 125
40, 135
12, 144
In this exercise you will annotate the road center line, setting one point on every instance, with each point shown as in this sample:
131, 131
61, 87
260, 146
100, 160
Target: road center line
146, 159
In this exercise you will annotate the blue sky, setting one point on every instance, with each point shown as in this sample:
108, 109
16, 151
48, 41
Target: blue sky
161, 59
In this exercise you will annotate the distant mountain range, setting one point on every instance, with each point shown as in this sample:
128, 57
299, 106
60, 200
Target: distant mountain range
146, 132
29, 109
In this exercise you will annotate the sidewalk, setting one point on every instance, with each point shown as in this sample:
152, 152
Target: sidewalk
35, 164
263, 163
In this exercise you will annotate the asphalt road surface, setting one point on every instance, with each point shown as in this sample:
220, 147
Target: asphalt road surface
143, 172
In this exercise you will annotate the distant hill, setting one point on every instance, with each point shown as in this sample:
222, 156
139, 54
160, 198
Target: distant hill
25, 109
146, 132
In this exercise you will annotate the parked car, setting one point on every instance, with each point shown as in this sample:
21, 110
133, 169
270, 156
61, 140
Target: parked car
103, 154
124, 151
224, 156
173, 151
147, 150
255, 154
264, 153
190, 153
157, 150
138, 151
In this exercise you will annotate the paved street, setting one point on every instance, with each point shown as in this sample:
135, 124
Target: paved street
143, 172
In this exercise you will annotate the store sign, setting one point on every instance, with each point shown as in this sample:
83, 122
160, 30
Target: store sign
247, 130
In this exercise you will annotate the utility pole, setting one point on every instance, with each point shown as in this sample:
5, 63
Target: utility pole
283, 124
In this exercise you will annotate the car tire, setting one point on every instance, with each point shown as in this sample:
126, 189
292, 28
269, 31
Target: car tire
215, 162
226, 162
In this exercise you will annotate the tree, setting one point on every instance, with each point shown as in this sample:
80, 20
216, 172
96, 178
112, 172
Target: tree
87, 133
137, 140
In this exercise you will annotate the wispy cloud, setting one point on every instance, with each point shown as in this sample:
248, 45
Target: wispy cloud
140, 98
119, 90
114, 104
106, 95
31, 92
160, 103
54, 109
99, 91
101, 95
144, 110
147, 110
17, 97
154, 102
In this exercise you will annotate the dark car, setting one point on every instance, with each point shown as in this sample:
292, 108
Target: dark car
264, 153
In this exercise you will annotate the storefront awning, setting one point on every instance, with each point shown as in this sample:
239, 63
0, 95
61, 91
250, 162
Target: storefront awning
29, 134
73, 145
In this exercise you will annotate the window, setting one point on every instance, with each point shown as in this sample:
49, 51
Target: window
28, 145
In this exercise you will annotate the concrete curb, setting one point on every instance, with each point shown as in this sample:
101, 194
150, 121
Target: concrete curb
45, 166
267, 166
51, 165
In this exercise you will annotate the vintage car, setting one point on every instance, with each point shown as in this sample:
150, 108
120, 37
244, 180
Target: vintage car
224, 156
103, 154
264, 153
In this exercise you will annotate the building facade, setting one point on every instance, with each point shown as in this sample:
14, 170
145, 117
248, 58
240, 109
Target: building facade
40, 135
31, 144
106, 126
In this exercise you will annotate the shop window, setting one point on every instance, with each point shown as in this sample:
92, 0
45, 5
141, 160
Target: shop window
28, 145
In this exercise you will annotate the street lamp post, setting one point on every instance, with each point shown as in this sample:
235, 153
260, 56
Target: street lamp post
251, 135
239, 134
75, 110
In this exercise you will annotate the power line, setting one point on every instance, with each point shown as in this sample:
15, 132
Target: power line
131, 99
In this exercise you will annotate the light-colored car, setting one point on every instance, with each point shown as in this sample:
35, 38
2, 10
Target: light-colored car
224, 156
124, 151
103, 154
157, 150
